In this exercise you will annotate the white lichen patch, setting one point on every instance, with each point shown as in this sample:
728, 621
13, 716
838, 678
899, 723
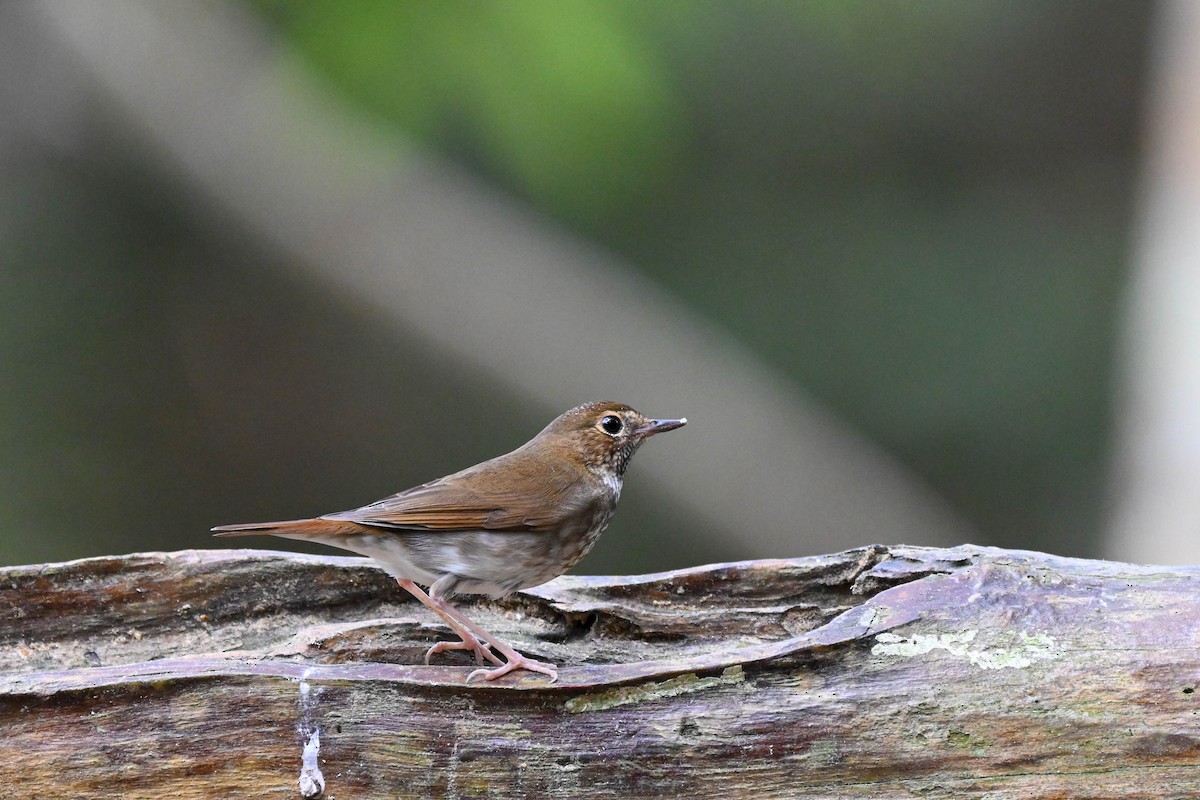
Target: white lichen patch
1008, 652
312, 782
624, 695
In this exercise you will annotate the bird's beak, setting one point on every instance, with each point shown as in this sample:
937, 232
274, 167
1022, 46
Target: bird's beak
660, 425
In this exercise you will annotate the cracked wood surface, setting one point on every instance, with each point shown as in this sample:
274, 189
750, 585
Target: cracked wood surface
878, 672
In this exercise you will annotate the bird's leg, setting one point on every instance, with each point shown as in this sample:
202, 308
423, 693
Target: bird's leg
514, 659
469, 641
473, 638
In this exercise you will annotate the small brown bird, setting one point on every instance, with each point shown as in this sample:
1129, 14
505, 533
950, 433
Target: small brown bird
513, 522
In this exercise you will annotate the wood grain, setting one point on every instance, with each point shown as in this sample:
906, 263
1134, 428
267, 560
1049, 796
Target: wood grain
879, 672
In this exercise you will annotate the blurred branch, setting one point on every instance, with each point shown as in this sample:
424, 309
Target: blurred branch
460, 270
1157, 518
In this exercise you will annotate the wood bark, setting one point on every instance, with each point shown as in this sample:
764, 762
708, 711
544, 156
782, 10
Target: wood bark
880, 672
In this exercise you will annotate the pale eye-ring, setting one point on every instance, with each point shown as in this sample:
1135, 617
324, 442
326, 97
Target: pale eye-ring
611, 425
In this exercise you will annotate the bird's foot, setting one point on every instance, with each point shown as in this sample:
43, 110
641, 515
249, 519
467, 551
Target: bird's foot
468, 642
516, 661
473, 638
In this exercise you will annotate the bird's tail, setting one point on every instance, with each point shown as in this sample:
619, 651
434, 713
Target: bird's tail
316, 528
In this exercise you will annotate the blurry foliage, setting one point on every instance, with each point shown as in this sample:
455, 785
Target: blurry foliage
565, 99
918, 211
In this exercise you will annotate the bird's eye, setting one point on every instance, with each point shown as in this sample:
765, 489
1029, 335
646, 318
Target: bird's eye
611, 425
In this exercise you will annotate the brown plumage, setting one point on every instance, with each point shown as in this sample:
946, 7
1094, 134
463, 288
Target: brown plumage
513, 522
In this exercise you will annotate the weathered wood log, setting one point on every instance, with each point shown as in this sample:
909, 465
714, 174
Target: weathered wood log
880, 672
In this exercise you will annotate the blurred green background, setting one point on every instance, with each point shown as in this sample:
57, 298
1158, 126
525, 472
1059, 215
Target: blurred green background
919, 214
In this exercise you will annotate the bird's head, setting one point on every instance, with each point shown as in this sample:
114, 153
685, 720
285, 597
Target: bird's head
604, 434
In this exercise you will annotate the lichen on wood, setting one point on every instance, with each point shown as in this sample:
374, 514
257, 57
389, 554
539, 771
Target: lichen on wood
878, 672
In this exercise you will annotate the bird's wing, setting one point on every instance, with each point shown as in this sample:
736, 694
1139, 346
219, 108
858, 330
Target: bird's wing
469, 501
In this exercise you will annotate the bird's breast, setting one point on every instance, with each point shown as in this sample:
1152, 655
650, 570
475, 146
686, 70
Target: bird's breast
580, 530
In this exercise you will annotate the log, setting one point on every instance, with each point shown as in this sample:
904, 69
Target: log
879, 672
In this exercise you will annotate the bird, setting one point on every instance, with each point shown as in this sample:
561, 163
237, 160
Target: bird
506, 524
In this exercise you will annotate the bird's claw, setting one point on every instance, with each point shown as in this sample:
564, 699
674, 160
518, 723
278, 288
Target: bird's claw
519, 662
468, 642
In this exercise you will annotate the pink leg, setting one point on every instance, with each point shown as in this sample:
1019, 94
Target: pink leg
469, 641
514, 659
471, 635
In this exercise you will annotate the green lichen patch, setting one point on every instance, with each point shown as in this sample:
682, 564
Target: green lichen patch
625, 695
